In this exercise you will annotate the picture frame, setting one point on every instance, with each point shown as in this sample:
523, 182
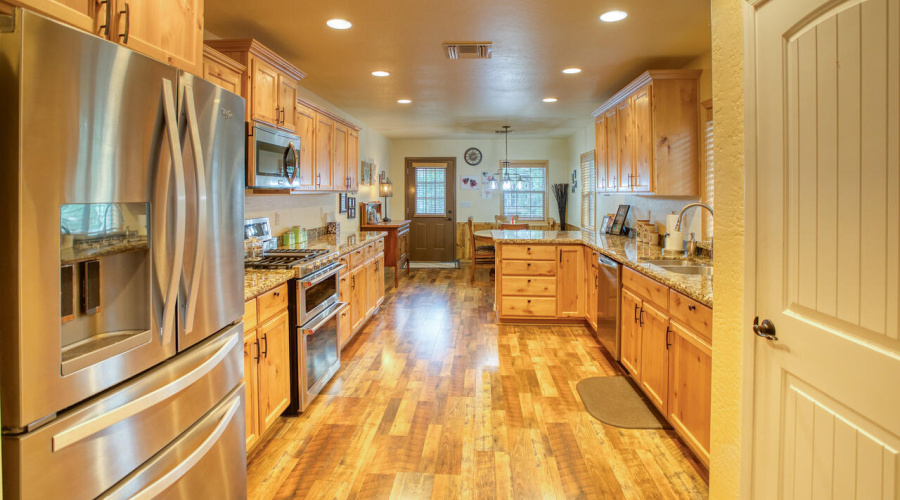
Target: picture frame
604, 226
351, 207
619, 222
342, 203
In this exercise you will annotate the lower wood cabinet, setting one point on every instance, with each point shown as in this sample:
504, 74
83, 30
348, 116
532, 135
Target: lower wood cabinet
630, 341
690, 382
266, 361
592, 286
570, 296
654, 375
361, 286
666, 347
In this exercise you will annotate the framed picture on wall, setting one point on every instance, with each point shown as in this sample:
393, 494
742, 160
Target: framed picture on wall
619, 222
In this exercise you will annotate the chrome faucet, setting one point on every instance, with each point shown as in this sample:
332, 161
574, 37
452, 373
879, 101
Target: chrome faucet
681, 219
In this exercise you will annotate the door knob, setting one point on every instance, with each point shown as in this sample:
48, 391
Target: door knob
765, 330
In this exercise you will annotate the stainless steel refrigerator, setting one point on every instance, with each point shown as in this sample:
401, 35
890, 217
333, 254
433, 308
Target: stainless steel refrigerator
121, 272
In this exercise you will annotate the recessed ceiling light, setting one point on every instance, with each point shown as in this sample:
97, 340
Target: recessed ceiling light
550, 99
380, 73
572, 71
404, 101
338, 24
613, 16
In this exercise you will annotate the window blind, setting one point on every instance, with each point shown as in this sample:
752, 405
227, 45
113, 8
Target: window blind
530, 202
588, 191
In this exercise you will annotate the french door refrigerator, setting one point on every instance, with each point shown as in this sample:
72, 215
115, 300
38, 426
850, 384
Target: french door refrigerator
121, 272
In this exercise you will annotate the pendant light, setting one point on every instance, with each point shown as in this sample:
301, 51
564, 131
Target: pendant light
508, 181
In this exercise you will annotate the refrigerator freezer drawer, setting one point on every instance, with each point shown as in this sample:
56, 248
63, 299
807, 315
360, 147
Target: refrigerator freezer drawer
207, 461
93, 446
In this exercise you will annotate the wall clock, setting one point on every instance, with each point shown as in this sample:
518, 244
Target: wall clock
473, 156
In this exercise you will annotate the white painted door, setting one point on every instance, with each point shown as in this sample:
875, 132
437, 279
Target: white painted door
827, 126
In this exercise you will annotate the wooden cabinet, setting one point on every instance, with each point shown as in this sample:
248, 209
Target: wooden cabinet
324, 152
520, 299
365, 288
358, 297
346, 326
630, 341
251, 384
570, 296
305, 120
339, 155
287, 102
379, 279
269, 84
170, 31
222, 70
666, 345
647, 135
264, 82
592, 286
654, 325
266, 361
690, 385
353, 160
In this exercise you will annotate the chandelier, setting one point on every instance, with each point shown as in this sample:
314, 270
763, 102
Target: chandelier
507, 180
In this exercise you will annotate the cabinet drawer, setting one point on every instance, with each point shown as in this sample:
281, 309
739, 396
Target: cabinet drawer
537, 307
647, 288
532, 252
345, 260
379, 246
250, 315
520, 285
369, 251
691, 313
270, 303
357, 257
527, 268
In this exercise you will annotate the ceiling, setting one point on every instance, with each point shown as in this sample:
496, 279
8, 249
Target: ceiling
533, 41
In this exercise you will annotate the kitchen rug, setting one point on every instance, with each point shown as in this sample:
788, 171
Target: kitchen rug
618, 401
434, 265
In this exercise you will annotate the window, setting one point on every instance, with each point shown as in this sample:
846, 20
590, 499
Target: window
530, 202
588, 190
431, 191
708, 172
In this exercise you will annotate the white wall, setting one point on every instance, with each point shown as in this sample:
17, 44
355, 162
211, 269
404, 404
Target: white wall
470, 202
313, 210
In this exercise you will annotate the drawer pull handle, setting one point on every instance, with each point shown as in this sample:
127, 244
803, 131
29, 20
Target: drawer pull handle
692, 307
276, 294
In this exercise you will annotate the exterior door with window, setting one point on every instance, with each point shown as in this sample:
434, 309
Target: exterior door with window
827, 117
430, 199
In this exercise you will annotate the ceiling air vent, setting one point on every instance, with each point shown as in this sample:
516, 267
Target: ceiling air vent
468, 50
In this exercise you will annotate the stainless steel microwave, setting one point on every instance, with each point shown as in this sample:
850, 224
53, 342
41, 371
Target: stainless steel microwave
272, 160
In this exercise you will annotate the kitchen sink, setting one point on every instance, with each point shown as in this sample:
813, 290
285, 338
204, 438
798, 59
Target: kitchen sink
681, 266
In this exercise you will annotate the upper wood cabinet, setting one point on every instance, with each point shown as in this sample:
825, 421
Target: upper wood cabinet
222, 70
270, 82
306, 121
339, 148
647, 135
167, 30
353, 160
324, 152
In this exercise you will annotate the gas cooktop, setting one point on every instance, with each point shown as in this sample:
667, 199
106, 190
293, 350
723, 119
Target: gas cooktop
303, 261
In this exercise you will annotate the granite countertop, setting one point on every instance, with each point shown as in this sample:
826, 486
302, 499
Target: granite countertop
625, 251
260, 281
346, 244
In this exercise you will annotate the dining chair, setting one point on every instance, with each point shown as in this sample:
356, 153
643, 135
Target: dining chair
514, 227
482, 255
500, 219
552, 224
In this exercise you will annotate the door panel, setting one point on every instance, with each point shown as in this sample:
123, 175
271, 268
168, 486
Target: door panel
251, 394
306, 128
655, 355
324, 149
430, 200
264, 89
341, 180
643, 140
828, 111
274, 369
631, 334
353, 160
625, 137
570, 282
287, 101
170, 31
219, 301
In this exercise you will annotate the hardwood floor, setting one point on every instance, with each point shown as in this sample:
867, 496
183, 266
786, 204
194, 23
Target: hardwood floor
434, 400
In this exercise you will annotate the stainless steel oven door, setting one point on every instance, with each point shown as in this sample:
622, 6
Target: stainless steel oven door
318, 291
272, 160
319, 352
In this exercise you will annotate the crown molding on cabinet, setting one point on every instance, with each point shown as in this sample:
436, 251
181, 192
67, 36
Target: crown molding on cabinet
645, 78
253, 46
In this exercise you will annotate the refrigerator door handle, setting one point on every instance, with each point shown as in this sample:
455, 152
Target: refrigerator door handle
177, 472
90, 427
171, 298
189, 109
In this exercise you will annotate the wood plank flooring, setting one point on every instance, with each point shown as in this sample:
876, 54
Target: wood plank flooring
434, 400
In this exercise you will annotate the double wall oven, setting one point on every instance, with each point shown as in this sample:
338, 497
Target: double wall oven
314, 308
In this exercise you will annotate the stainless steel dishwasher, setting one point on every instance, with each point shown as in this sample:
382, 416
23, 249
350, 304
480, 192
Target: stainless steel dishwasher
608, 290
